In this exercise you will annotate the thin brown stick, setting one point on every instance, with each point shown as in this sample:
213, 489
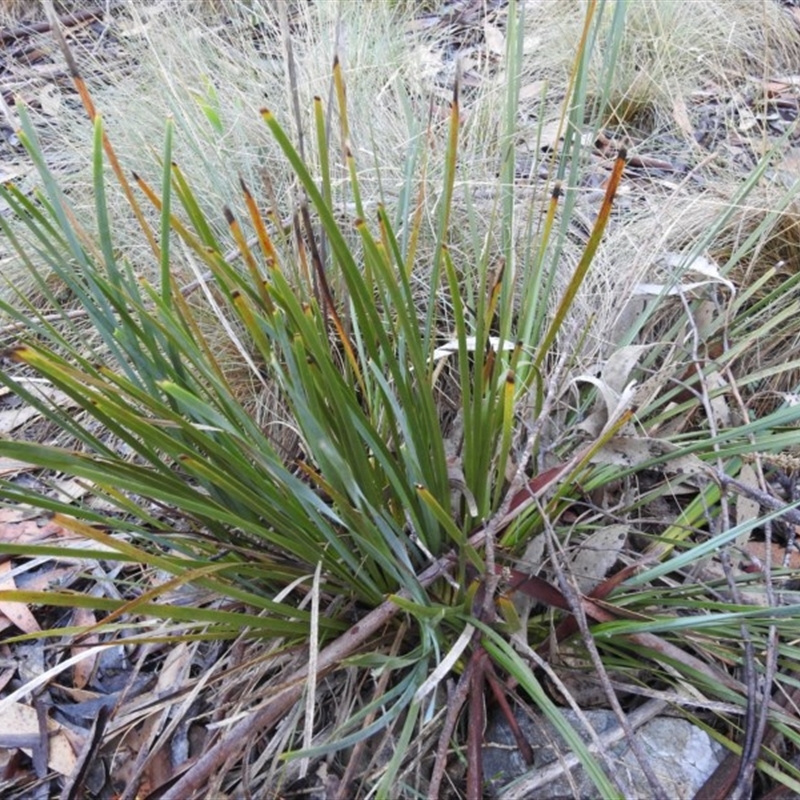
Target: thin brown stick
477, 722
574, 600
346, 788
280, 704
454, 705
790, 512
66, 20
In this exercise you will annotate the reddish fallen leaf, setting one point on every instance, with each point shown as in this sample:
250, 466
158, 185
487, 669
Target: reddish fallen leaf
757, 557
23, 525
83, 670
778, 88
649, 162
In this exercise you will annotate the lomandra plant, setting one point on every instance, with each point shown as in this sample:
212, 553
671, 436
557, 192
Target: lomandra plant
375, 534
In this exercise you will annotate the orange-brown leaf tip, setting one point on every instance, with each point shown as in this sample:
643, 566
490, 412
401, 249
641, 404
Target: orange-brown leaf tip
174, 164
359, 223
623, 153
511, 378
266, 113
244, 186
229, 218
557, 190
183, 457
335, 60
235, 295
347, 151
18, 353
445, 248
135, 176
317, 98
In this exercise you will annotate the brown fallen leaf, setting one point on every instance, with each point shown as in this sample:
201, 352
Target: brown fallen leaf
18, 613
83, 669
19, 727
680, 113
24, 525
779, 559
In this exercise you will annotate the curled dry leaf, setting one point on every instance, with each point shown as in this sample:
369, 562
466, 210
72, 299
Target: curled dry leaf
616, 390
700, 265
495, 40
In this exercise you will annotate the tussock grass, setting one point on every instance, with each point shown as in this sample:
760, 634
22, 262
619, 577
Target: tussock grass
308, 446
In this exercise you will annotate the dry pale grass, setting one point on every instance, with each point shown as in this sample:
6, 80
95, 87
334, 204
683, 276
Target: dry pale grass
212, 78
212, 66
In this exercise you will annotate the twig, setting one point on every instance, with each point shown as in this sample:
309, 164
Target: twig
789, 511
579, 613
279, 705
454, 705
67, 20
522, 646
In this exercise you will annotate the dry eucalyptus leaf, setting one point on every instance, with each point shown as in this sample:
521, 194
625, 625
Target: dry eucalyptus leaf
747, 509
699, 264
680, 113
21, 721
719, 404
495, 40
532, 90
83, 670
658, 289
50, 100
615, 405
18, 613
596, 555
617, 369
630, 451
615, 389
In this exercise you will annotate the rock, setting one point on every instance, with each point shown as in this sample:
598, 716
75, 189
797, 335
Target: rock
681, 755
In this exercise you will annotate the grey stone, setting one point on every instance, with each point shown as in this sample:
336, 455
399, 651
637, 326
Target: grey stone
681, 755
